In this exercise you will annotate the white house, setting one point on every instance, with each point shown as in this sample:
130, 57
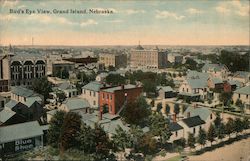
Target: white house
195, 85
204, 113
192, 125
91, 91
176, 130
243, 94
216, 70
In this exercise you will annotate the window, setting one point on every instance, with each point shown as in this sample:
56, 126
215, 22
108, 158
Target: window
247, 96
107, 96
94, 94
176, 133
239, 95
187, 89
90, 93
183, 89
94, 103
103, 96
110, 97
200, 128
193, 130
211, 116
84, 91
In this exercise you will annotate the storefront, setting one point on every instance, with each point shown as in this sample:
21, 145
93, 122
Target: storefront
20, 137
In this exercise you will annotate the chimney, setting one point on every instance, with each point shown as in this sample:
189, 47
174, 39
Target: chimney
122, 86
174, 118
188, 114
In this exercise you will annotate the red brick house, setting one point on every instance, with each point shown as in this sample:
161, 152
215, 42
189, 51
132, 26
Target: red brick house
115, 97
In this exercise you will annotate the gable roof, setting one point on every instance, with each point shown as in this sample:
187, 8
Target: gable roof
5, 115
22, 91
241, 74
174, 126
203, 112
165, 88
93, 86
65, 85
192, 74
20, 131
11, 104
197, 83
243, 90
214, 67
216, 80
193, 121
76, 103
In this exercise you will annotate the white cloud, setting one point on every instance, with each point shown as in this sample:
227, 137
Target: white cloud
115, 21
88, 22
222, 9
7, 3
133, 11
233, 7
167, 14
194, 11
49, 19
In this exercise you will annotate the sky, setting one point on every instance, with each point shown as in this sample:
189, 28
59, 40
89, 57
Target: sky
158, 22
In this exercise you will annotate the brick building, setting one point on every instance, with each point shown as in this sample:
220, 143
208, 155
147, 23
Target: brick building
115, 97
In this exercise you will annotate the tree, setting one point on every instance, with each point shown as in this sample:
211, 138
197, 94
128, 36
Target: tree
86, 139
225, 97
229, 127
121, 139
202, 137
102, 142
55, 127
115, 79
167, 109
221, 131
159, 107
42, 86
238, 125
191, 64
147, 144
211, 134
191, 140
70, 128
218, 120
149, 86
60, 96
136, 112
245, 123
136, 135
176, 109
159, 126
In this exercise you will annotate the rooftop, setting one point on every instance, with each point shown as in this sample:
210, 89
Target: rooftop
174, 126
113, 89
76, 103
5, 115
22, 91
193, 121
20, 131
93, 86
203, 112
213, 67
243, 90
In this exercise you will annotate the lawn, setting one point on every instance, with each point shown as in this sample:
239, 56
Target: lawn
176, 158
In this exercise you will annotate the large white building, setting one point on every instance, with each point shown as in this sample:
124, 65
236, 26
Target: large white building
148, 58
